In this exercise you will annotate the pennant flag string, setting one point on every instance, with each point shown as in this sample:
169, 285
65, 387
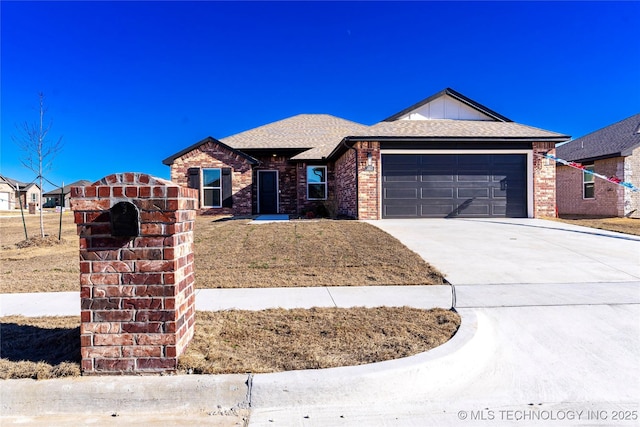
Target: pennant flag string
612, 179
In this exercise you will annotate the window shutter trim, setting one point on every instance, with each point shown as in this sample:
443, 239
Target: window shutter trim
193, 178
227, 189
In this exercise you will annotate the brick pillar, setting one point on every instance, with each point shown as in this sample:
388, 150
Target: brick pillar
369, 181
137, 292
544, 181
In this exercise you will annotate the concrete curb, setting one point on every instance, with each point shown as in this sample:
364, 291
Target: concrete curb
226, 394
187, 394
463, 356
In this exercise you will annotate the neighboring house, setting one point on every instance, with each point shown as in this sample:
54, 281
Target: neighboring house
11, 191
446, 156
613, 151
53, 197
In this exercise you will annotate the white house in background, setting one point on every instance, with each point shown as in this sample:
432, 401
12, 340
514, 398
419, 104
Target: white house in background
12, 191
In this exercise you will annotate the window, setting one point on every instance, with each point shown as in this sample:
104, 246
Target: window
316, 182
588, 183
212, 187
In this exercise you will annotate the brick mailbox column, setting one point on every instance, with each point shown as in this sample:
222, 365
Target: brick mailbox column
136, 273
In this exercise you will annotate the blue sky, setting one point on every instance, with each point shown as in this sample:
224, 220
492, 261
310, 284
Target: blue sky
128, 84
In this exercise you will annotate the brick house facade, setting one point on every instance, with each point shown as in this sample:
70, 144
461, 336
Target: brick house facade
494, 168
613, 151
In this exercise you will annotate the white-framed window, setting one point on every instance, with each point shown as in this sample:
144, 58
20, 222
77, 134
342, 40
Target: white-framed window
212, 187
588, 183
316, 182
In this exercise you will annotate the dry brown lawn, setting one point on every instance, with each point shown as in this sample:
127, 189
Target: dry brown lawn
230, 254
243, 341
235, 254
621, 225
50, 266
39, 347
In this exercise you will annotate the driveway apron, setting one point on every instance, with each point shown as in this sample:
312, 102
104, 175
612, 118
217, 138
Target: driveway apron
557, 337
558, 308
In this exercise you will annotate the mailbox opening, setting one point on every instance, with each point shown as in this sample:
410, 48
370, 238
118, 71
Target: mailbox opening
125, 220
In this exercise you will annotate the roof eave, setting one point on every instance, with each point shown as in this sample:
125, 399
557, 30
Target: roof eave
593, 158
629, 150
349, 140
559, 138
456, 95
169, 160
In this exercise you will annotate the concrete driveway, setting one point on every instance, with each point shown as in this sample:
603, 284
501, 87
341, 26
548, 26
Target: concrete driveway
509, 251
525, 262
555, 311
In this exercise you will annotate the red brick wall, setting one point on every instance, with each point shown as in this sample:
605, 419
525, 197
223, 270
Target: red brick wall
609, 198
544, 181
212, 155
346, 189
137, 294
369, 182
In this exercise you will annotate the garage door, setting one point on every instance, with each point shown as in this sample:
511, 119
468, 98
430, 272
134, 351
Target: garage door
454, 185
4, 201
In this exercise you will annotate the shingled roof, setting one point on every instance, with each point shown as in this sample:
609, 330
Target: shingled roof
615, 140
447, 128
21, 186
67, 188
317, 134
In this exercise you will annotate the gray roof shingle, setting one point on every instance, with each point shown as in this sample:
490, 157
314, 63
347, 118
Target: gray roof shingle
318, 133
67, 188
22, 186
446, 128
614, 140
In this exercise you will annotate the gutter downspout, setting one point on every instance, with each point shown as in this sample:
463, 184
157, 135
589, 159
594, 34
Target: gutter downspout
343, 142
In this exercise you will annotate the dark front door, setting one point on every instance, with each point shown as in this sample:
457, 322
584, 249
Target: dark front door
267, 192
454, 185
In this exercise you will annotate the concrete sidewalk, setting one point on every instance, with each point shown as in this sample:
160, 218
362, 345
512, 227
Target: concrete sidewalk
425, 297
68, 303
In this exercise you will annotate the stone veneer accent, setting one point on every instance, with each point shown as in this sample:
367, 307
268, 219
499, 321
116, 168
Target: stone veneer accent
137, 293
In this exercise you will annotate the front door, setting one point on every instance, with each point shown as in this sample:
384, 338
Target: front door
267, 192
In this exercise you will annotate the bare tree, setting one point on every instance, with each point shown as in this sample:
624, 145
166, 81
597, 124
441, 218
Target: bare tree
39, 150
